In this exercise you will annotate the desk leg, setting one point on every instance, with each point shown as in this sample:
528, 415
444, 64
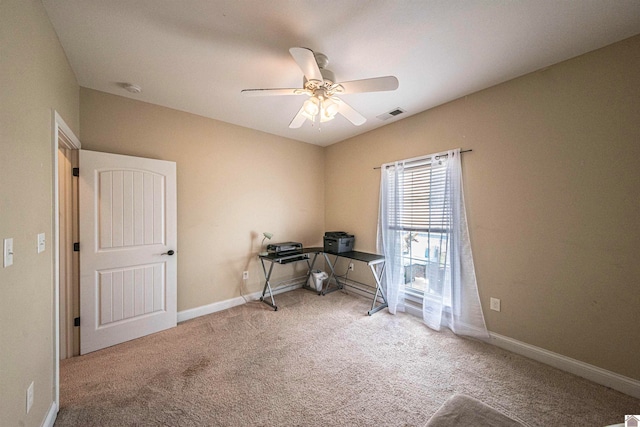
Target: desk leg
332, 275
379, 290
267, 285
306, 283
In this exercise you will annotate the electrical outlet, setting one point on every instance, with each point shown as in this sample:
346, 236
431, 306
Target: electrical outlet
351, 266
245, 275
41, 243
29, 397
494, 304
8, 252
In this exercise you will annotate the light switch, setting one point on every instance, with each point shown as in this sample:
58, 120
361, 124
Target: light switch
8, 252
41, 244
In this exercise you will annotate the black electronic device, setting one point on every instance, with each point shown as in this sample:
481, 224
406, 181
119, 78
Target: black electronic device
286, 248
337, 242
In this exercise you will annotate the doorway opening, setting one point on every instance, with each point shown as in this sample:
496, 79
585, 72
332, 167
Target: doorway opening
65, 146
69, 260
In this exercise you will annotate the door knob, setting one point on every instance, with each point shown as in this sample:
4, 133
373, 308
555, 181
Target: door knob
170, 252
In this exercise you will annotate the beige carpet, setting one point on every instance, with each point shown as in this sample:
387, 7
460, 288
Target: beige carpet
317, 361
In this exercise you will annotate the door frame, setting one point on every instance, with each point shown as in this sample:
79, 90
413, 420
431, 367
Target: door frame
71, 142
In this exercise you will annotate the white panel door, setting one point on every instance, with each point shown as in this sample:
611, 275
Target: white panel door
128, 264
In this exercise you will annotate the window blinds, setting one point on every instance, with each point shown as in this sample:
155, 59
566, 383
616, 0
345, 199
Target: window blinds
423, 205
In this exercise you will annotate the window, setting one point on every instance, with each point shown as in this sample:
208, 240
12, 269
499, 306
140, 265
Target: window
424, 221
423, 234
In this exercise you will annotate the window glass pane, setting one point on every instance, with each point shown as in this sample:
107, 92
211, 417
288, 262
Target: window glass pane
425, 262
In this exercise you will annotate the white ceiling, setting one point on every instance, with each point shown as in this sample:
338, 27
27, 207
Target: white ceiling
197, 55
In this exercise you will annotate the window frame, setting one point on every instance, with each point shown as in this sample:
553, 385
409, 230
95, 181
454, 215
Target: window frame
423, 198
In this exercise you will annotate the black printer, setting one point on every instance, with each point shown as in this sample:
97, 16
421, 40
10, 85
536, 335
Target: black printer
337, 242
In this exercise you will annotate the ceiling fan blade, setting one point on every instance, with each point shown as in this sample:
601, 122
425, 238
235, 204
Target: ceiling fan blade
271, 92
376, 84
349, 113
306, 60
298, 120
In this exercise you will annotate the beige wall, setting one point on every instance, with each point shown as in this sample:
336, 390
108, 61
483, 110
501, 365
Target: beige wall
233, 184
553, 200
35, 79
552, 192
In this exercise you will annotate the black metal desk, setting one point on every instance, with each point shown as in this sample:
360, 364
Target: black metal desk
285, 259
372, 260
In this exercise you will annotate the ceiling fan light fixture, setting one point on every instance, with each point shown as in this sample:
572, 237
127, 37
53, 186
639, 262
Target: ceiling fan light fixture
319, 106
312, 106
330, 108
326, 118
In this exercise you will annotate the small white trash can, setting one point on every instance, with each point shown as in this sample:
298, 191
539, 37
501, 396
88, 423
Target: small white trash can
316, 279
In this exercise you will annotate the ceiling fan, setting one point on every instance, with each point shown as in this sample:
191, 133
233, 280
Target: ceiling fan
320, 85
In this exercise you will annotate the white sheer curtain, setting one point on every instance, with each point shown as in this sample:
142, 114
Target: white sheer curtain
389, 238
422, 200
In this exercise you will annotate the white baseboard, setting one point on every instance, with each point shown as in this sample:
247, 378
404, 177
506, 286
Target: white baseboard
360, 289
223, 305
600, 376
203, 310
50, 419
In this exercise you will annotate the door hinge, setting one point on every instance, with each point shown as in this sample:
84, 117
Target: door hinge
76, 247
76, 171
76, 321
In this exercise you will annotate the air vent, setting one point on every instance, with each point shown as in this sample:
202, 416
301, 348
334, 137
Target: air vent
390, 114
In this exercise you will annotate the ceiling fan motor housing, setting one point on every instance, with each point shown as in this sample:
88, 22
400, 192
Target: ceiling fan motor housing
327, 75
328, 81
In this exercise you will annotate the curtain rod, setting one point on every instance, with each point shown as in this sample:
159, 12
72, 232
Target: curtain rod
436, 157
